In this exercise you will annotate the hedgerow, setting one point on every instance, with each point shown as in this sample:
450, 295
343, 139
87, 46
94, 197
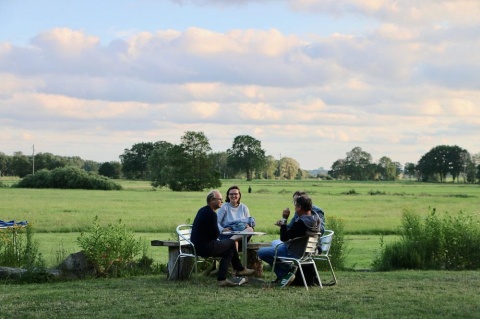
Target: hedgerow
69, 177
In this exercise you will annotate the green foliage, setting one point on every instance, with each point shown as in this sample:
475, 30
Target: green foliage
69, 177
246, 155
339, 248
451, 243
111, 250
350, 192
184, 167
19, 250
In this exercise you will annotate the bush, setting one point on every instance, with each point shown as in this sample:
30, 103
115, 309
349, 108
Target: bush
19, 250
338, 249
69, 177
451, 243
111, 250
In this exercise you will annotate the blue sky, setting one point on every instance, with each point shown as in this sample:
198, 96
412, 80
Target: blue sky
311, 79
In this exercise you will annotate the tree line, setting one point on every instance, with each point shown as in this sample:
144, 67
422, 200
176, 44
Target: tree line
191, 165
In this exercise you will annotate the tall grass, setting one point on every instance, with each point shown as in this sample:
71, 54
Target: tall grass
18, 248
450, 243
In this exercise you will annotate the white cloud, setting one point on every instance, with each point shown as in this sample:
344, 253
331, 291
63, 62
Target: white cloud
397, 87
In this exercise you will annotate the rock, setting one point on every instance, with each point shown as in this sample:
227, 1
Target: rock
76, 266
9, 272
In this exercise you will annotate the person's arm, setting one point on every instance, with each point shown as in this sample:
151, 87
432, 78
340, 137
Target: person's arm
220, 217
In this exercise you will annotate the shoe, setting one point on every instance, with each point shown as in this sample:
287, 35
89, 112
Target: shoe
227, 283
239, 280
245, 272
286, 280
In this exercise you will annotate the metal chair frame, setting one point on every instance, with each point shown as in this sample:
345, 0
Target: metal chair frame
324, 244
305, 259
186, 248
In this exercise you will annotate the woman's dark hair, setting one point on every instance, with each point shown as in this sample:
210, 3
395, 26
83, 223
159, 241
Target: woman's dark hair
239, 193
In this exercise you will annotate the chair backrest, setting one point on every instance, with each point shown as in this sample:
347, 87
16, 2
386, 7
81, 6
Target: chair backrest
325, 242
184, 232
310, 244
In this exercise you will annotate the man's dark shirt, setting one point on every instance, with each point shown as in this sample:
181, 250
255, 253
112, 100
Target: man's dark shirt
204, 230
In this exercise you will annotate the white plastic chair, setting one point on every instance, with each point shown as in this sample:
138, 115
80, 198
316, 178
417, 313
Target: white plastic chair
311, 242
322, 254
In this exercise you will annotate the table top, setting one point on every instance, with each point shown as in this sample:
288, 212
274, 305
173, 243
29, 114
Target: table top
243, 233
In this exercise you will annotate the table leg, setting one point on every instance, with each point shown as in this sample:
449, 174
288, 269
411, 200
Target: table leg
244, 250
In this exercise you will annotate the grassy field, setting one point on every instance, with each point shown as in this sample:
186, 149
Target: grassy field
402, 294
60, 215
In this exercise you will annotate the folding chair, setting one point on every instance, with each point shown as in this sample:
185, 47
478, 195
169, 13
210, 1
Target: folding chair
324, 245
186, 248
311, 242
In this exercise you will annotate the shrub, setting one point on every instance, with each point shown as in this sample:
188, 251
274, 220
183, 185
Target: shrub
451, 243
350, 192
17, 248
69, 177
338, 249
111, 250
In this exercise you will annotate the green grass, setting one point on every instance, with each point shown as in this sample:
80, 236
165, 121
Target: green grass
60, 215
402, 294
144, 210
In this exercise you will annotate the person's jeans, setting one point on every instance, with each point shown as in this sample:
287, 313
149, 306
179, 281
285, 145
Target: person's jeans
267, 254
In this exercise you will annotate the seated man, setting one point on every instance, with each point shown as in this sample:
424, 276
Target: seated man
315, 209
306, 222
204, 236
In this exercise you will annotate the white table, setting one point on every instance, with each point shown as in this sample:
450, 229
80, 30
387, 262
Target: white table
244, 235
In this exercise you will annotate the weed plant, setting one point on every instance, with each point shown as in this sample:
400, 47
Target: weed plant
448, 243
17, 247
111, 250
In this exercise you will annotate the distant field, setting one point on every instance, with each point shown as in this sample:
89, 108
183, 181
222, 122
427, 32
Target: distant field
59, 215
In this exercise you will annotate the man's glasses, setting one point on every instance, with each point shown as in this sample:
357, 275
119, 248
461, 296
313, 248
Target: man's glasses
220, 199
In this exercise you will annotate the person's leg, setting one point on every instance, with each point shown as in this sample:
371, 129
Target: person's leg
267, 254
227, 250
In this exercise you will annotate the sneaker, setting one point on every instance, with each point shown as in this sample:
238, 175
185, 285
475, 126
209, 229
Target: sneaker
239, 280
245, 272
286, 280
226, 283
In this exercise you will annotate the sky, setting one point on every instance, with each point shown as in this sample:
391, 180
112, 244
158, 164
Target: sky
310, 79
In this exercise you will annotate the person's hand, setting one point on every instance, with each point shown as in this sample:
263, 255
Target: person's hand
286, 213
226, 229
279, 222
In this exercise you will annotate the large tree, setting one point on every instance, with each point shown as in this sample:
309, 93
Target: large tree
160, 164
184, 167
135, 160
409, 170
358, 165
440, 161
288, 168
246, 155
270, 168
387, 169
